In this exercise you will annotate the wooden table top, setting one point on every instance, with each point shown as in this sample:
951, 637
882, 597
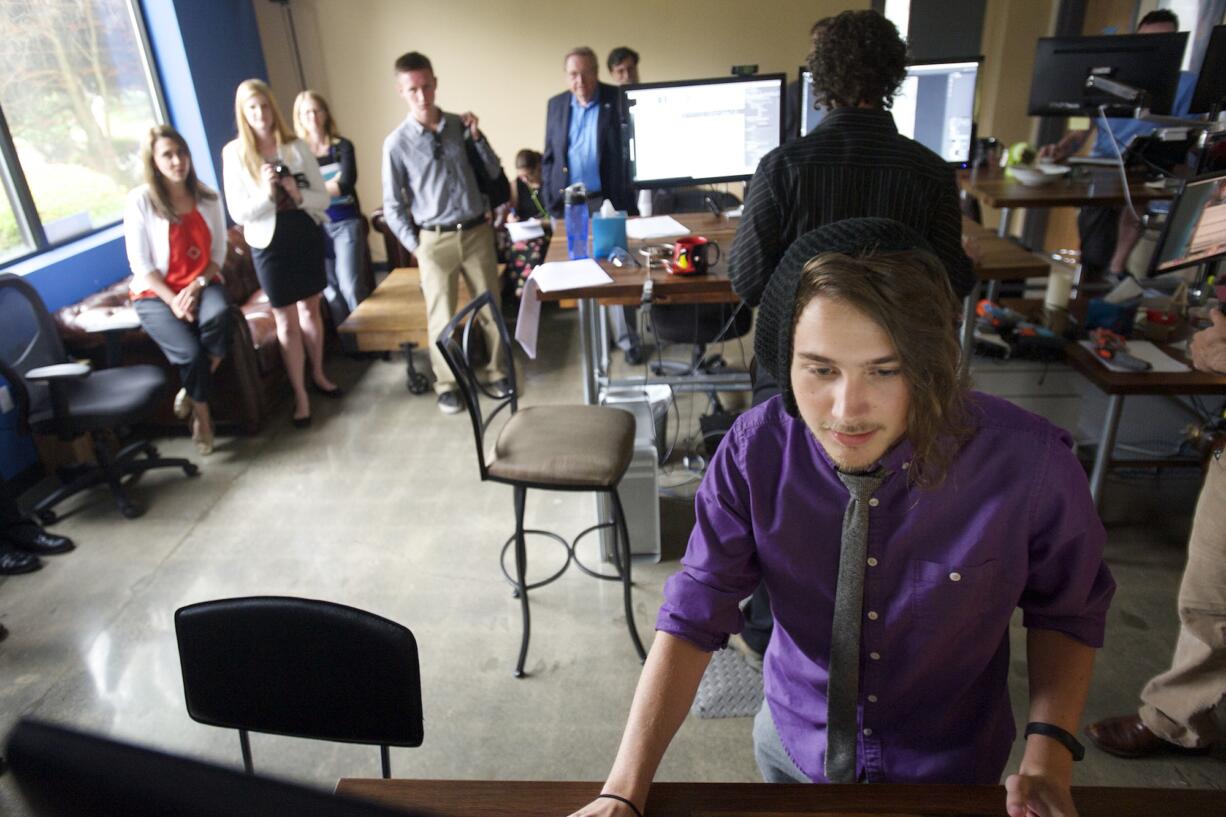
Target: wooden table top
1191, 382
1002, 260
1094, 186
481, 798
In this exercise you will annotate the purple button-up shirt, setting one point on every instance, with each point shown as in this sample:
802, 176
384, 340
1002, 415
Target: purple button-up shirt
1012, 525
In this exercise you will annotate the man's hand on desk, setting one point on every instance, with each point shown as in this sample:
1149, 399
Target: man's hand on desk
1038, 795
1208, 346
1066, 147
605, 807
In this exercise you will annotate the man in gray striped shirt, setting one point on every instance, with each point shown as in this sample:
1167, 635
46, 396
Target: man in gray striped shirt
854, 164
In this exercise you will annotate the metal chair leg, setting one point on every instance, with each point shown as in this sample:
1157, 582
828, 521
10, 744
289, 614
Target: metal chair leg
385, 758
244, 743
521, 570
623, 534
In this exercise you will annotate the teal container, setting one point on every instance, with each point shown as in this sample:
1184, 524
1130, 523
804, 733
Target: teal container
607, 233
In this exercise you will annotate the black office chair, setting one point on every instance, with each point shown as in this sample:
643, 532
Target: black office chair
302, 668
56, 396
556, 448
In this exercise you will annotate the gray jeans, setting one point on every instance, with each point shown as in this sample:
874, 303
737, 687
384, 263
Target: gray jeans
773, 760
345, 289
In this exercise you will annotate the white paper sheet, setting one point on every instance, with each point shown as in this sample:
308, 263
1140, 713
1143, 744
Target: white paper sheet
525, 230
569, 274
643, 229
528, 322
1158, 360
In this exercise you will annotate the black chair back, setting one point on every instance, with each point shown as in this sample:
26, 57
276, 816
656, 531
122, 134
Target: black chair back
28, 341
65, 773
457, 343
300, 667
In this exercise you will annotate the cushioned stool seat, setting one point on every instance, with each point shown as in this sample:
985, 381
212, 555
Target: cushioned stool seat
557, 448
574, 446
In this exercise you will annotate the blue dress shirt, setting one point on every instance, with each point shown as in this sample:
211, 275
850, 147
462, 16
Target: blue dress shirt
1125, 129
581, 151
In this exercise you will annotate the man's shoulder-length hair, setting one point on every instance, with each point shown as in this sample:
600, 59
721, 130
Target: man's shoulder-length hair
908, 294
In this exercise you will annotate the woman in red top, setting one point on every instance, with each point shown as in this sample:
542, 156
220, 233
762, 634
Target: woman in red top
176, 242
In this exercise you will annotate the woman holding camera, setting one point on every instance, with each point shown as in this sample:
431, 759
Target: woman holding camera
314, 124
175, 236
275, 191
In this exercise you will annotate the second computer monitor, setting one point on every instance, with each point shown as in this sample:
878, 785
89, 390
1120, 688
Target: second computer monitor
1145, 62
700, 131
1195, 230
935, 106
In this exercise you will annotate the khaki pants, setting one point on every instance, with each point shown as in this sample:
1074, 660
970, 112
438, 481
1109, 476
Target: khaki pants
1178, 704
444, 256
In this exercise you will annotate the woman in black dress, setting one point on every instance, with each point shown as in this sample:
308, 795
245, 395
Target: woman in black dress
275, 191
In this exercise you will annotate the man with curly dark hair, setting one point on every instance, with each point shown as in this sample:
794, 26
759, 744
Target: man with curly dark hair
853, 164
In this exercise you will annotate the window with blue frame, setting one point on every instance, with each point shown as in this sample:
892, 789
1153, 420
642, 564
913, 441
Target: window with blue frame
77, 92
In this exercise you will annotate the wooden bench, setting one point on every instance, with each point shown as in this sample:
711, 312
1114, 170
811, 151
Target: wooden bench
393, 319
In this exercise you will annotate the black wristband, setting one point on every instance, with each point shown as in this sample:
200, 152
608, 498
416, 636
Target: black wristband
621, 799
1050, 730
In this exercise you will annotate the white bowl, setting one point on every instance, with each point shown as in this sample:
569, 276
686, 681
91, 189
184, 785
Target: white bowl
1034, 176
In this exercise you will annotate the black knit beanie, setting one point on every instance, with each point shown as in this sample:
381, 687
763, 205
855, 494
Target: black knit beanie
856, 237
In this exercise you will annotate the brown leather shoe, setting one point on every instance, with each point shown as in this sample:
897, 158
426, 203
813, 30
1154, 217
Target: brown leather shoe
1127, 736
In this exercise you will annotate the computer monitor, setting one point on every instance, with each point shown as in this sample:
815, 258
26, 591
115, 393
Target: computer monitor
701, 131
1195, 230
65, 773
1148, 62
935, 106
1211, 84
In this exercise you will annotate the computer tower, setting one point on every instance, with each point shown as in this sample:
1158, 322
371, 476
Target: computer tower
641, 505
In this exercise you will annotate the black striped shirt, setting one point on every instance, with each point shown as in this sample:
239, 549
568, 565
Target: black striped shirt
854, 164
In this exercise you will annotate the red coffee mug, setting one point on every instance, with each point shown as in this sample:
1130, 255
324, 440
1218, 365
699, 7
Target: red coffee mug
691, 255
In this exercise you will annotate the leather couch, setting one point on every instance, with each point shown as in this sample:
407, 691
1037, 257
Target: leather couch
250, 382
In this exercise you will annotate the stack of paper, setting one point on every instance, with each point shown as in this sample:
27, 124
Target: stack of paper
548, 278
645, 229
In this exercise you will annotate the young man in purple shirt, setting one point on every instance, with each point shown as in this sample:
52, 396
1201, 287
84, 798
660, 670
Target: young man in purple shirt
897, 520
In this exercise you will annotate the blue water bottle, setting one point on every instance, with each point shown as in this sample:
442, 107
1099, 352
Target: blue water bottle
576, 220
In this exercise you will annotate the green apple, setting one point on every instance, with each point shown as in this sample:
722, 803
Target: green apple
1021, 153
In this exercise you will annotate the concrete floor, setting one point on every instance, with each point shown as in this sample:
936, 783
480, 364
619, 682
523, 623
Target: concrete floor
379, 506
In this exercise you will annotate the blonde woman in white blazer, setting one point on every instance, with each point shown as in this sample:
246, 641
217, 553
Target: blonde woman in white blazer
175, 237
274, 189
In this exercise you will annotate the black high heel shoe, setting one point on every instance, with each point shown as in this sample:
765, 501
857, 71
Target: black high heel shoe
334, 393
302, 422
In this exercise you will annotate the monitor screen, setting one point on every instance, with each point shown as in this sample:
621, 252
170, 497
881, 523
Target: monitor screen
1211, 84
1062, 65
700, 131
1195, 227
935, 106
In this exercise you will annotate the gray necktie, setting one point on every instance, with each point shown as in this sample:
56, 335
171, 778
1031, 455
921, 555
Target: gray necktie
843, 688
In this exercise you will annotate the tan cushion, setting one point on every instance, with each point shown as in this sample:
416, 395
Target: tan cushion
573, 446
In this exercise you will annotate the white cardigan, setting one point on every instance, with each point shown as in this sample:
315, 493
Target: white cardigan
147, 235
248, 201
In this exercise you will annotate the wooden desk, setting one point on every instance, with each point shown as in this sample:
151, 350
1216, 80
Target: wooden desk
1092, 187
1002, 260
1116, 385
482, 798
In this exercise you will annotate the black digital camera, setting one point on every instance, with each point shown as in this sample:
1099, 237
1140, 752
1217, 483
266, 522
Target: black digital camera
280, 168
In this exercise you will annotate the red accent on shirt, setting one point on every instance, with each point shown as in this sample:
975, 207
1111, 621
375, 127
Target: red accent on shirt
190, 247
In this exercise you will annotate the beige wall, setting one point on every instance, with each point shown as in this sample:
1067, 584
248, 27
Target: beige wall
502, 61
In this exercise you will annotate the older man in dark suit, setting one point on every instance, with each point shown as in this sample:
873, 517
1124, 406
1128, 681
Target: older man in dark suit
583, 143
